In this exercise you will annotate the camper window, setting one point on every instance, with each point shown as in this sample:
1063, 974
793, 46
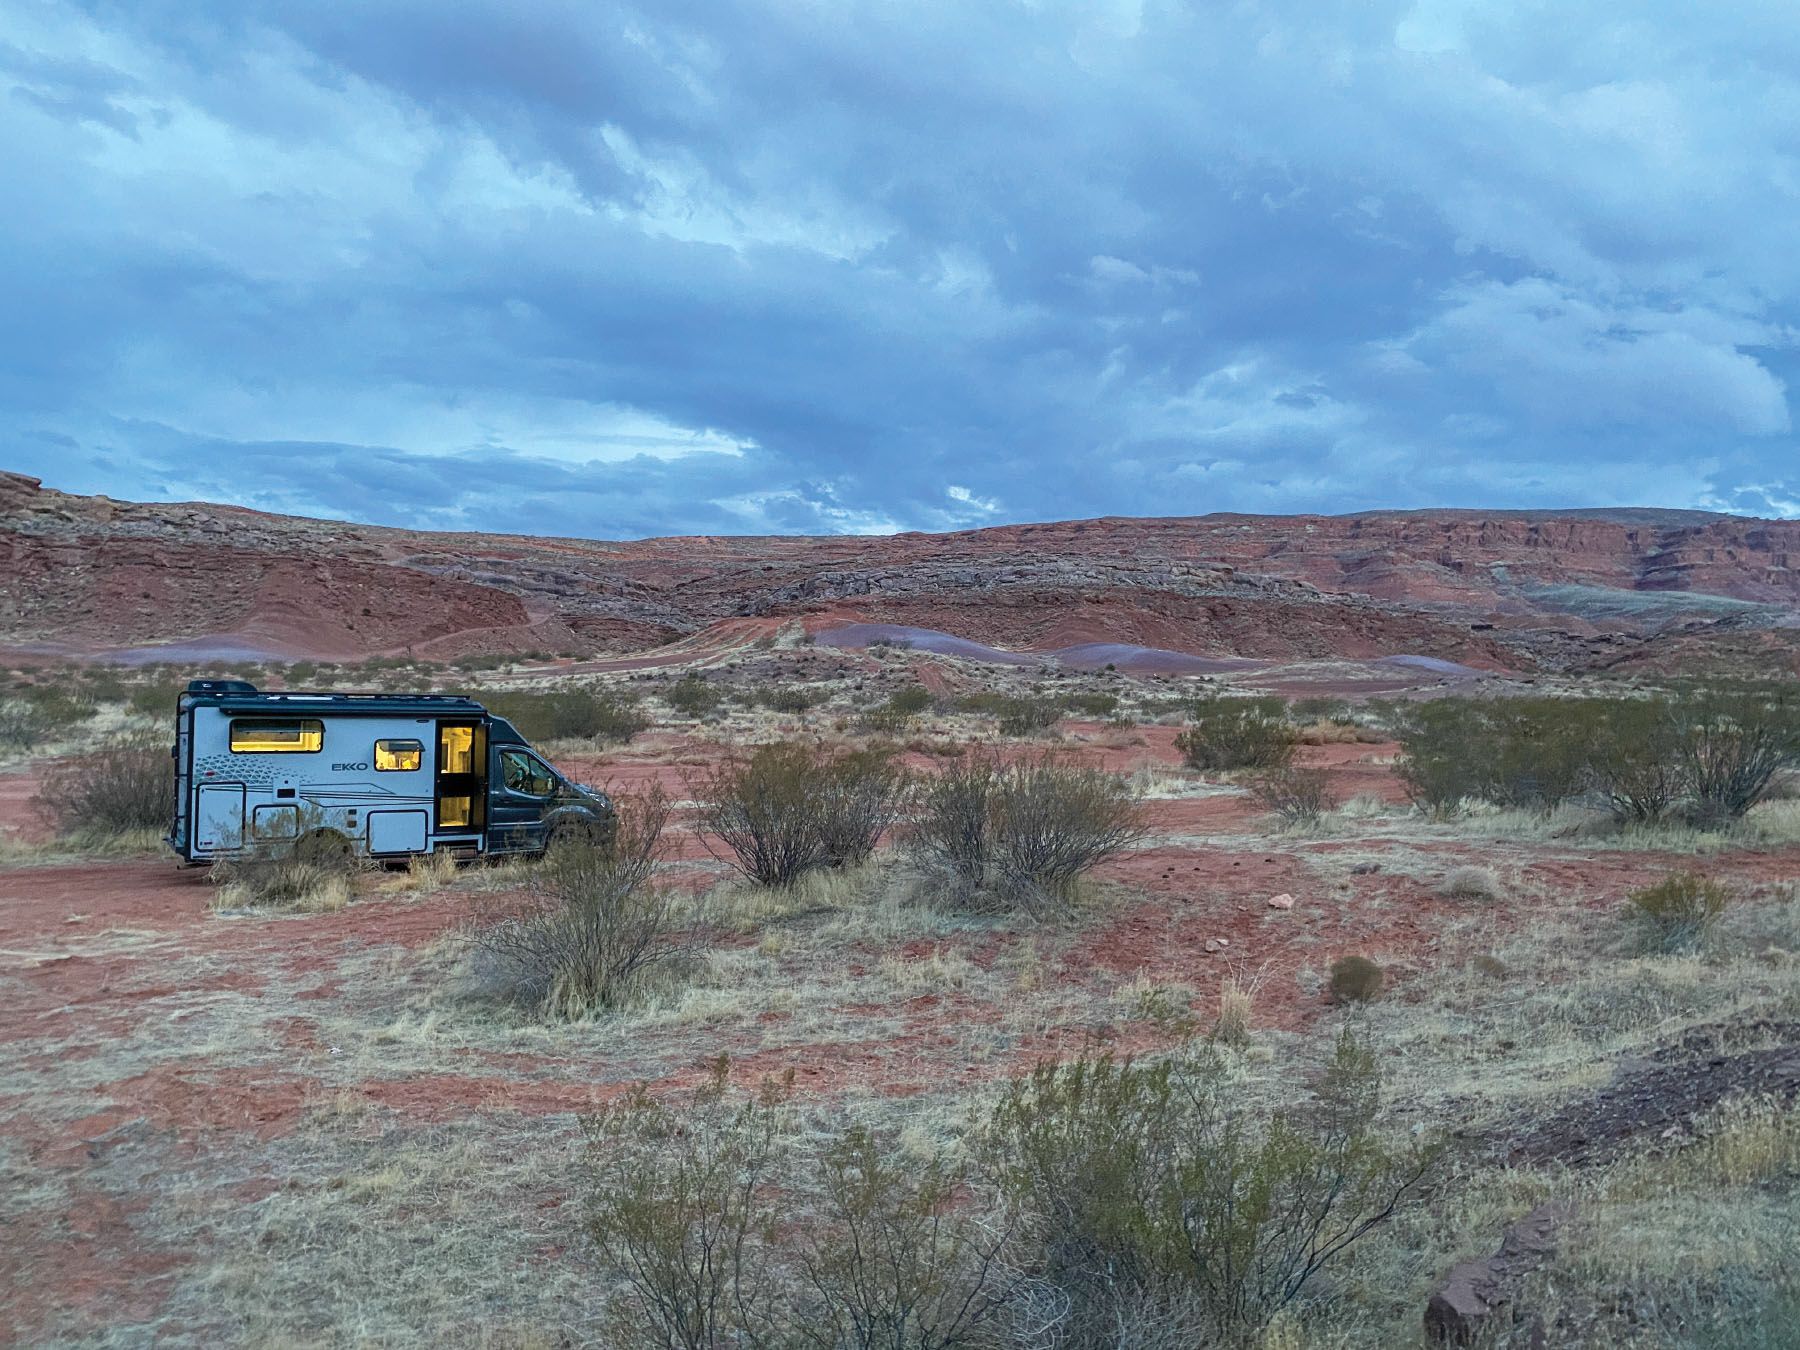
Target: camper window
526, 773
294, 735
404, 756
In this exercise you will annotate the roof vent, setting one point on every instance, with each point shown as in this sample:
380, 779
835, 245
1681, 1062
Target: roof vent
221, 687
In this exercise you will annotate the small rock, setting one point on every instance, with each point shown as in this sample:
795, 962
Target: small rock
1217, 944
1282, 901
1365, 869
1476, 1290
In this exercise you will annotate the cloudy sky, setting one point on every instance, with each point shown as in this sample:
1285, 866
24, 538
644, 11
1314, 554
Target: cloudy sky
777, 265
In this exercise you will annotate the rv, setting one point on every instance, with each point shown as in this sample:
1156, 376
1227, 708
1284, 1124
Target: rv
384, 775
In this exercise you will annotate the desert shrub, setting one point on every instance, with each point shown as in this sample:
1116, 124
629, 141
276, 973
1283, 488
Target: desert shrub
576, 714
1470, 883
1298, 795
1236, 733
1026, 716
688, 1207
1318, 709
280, 880
1098, 706
788, 808
984, 701
1634, 759
1156, 1207
895, 714
1512, 752
786, 698
1731, 746
33, 714
1021, 833
597, 927
1677, 912
910, 701
22, 726
692, 696
156, 700
112, 792
1355, 979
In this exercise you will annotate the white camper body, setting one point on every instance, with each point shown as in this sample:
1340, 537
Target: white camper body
387, 775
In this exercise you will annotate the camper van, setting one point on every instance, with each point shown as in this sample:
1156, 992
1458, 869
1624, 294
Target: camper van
385, 775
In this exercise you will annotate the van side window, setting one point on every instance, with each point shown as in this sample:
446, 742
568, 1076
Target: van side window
267, 736
403, 756
526, 773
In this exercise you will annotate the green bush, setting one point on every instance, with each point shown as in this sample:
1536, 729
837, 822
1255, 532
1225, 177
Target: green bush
1355, 979
35, 713
112, 792
1164, 1214
1679, 911
1298, 796
689, 1209
1634, 758
596, 928
1027, 716
1021, 834
787, 698
789, 808
910, 701
692, 696
1237, 733
569, 714
1097, 706
1532, 753
1731, 746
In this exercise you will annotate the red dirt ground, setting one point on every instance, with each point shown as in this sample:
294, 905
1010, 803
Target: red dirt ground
95, 957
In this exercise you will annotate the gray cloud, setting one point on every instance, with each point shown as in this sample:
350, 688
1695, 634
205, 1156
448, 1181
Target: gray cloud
602, 270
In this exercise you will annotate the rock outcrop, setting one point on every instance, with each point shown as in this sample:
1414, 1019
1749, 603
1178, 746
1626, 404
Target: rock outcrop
1504, 590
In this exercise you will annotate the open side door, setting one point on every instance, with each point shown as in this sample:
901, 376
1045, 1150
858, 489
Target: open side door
461, 777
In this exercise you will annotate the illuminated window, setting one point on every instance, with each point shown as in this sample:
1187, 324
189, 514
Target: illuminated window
290, 736
402, 756
456, 750
455, 812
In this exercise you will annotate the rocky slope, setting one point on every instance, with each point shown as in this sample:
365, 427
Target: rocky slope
1500, 590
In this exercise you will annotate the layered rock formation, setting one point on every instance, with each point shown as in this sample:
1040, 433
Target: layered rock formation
1501, 590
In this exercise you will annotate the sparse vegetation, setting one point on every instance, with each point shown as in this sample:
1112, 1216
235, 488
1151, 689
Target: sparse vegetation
1237, 733
577, 714
1471, 883
1162, 1214
692, 696
111, 792
1020, 834
597, 928
788, 808
1297, 795
1355, 979
1677, 912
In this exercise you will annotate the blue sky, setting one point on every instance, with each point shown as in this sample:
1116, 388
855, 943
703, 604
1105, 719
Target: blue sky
583, 268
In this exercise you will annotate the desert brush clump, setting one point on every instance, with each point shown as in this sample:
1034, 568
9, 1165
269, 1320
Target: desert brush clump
111, 792
692, 1207
692, 696
1161, 1213
1237, 733
1712, 753
1471, 883
790, 807
1355, 979
1678, 912
1019, 835
313, 872
602, 716
595, 929
1297, 795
